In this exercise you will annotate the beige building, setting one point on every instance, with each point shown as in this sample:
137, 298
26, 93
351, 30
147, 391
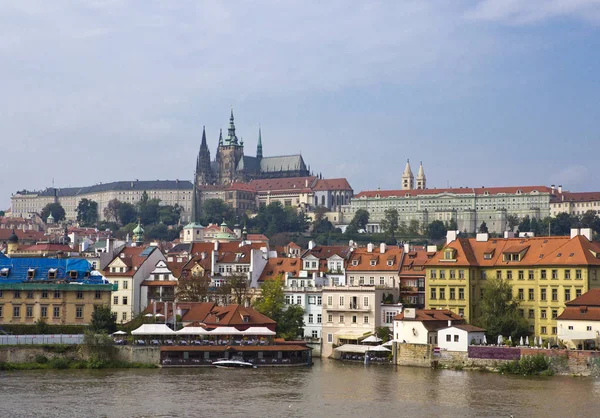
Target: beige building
170, 192
56, 303
573, 203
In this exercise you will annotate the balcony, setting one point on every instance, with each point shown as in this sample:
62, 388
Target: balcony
302, 289
348, 308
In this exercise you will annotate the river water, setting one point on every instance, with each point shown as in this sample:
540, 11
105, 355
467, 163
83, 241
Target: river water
329, 389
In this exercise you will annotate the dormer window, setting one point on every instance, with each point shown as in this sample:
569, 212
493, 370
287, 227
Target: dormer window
30, 273
488, 254
4, 272
246, 318
355, 262
373, 262
122, 255
52, 273
390, 263
449, 254
73, 274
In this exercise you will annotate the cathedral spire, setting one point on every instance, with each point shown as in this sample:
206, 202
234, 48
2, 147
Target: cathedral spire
421, 179
203, 173
220, 137
259, 153
231, 138
408, 180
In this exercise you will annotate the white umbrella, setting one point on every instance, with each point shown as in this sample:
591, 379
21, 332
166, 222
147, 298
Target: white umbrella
159, 315
148, 315
510, 338
484, 339
540, 341
388, 344
379, 348
372, 339
500, 340
527, 340
119, 333
521, 341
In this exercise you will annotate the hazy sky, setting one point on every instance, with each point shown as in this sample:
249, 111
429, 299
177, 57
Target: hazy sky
489, 92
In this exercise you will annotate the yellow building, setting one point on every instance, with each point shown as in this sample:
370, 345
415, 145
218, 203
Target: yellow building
57, 304
545, 272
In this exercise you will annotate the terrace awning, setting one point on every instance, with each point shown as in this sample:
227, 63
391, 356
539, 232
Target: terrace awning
193, 331
153, 329
225, 331
353, 348
258, 331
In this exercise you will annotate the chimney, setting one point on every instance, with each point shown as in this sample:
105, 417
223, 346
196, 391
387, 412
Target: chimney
482, 237
560, 188
574, 232
202, 255
406, 247
311, 244
449, 323
216, 245
382, 248
370, 247
410, 313
552, 188
586, 232
509, 234
451, 236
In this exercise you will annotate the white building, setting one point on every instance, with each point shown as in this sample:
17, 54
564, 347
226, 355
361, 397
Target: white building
579, 324
421, 326
459, 337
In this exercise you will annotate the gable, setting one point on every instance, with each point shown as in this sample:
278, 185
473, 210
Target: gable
117, 262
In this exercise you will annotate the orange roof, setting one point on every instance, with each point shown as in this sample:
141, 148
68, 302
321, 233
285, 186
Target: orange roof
589, 298
323, 252
332, 184
132, 258
5, 233
362, 260
48, 247
539, 251
280, 266
280, 184
461, 191
257, 238
576, 197
424, 315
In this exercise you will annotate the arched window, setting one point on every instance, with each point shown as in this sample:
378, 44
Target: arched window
323, 200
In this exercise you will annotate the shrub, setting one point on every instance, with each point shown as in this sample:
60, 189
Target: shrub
59, 363
527, 365
41, 359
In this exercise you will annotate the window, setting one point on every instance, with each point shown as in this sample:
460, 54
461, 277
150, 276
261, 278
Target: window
522, 313
498, 274
319, 317
567, 295
530, 275
452, 274
382, 281
43, 311
442, 293
578, 274
315, 334
531, 294
29, 311
554, 329
554, 313
567, 274
531, 314
354, 319
115, 300
30, 294
17, 294
329, 300
543, 273
98, 294
312, 300
589, 328
543, 294
543, 330
310, 318
124, 316
521, 294
554, 274
543, 314
342, 319
341, 301
57, 294
448, 338
319, 300
366, 319
16, 311
461, 293
577, 293
80, 294
44, 294
56, 312
79, 312
442, 274
433, 274
461, 274
125, 284
483, 275
329, 318
452, 293
509, 275
433, 293
554, 295
125, 300
521, 275
298, 300
456, 338
461, 311
329, 338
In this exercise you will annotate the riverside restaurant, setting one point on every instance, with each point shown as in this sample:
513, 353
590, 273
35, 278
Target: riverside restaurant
196, 346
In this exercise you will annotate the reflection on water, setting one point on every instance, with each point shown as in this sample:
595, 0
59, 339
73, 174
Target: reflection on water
328, 389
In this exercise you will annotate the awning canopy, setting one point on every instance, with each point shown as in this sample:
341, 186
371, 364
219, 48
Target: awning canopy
153, 329
353, 348
225, 331
379, 348
578, 335
193, 331
258, 331
349, 335
372, 339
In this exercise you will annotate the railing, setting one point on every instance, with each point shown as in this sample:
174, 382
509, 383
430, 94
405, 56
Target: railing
41, 339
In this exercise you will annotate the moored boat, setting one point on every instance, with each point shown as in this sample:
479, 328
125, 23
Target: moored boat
233, 363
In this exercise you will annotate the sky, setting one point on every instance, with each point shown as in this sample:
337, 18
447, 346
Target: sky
483, 92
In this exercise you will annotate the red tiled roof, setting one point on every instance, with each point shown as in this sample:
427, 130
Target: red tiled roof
461, 191
332, 184
324, 252
257, 238
132, 259
48, 247
30, 236
288, 183
589, 298
425, 315
280, 266
364, 258
576, 197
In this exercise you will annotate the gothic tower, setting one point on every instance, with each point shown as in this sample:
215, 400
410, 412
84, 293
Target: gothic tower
259, 153
421, 179
204, 173
408, 180
229, 154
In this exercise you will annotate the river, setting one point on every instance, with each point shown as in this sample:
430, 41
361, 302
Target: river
329, 389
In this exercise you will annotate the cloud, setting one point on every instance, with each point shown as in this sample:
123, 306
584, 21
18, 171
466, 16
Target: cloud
534, 11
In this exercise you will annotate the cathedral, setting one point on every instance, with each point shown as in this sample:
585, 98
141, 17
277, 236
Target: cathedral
231, 165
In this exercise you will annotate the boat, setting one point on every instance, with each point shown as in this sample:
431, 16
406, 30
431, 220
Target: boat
233, 363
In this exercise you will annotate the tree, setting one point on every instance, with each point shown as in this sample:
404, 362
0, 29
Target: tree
534, 227
103, 320
389, 224
273, 218
483, 229
561, 225
169, 215
358, 222
57, 211
451, 225
590, 220
215, 210
413, 228
272, 304
436, 230
512, 221
87, 212
321, 225
194, 288
111, 211
237, 287
499, 311
127, 213
525, 225
148, 211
